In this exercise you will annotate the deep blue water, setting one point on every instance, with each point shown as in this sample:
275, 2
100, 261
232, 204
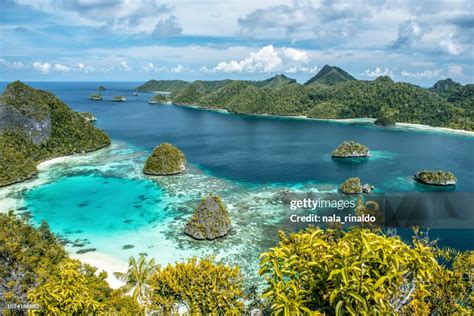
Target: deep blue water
272, 150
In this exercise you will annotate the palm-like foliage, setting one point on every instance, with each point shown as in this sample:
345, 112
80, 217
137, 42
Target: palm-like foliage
137, 277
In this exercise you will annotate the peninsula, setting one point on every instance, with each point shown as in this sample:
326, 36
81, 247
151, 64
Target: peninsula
331, 94
35, 126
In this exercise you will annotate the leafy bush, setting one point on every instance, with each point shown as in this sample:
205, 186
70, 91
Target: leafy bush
350, 149
202, 286
351, 186
357, 272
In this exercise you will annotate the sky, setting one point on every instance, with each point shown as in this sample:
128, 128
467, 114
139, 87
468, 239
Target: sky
418, 41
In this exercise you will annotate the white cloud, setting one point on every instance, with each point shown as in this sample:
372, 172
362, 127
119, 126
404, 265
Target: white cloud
450, 45
42, 67
425, 74
61, 68
167, 27
296, 54
179, 68
378, 71
265, 60
149, 67
268, 59
13, 65
83, 68
125, 66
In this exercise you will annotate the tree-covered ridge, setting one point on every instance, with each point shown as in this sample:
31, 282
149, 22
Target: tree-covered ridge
337, 99
330, 75
162, 85
37, 126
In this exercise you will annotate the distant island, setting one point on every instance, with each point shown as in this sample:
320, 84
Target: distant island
331, 94
35, 126
441, 178
350, 149
95, 97
101, 88
119, 98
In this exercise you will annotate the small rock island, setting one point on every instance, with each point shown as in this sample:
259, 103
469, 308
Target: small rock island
210, 220
119, 98
354, 186
95, 97
165, 160
101, 88
350, 149
441, 178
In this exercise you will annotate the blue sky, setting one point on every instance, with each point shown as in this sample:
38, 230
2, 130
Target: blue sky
136, 40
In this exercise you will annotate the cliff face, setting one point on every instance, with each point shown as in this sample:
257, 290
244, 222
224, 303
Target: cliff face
34, 126
37, 129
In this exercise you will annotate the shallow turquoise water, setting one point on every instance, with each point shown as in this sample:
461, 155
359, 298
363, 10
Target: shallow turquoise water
96, 204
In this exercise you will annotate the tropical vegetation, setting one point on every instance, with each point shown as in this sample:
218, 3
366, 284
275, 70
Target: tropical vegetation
62, 131
350, 149
311, 272
435, 177
351, 186
360, 272
331, 94
165, 159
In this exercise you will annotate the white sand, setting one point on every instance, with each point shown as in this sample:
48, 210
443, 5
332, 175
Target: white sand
104, 262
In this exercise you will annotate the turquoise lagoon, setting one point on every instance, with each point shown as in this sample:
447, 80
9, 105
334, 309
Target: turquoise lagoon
101, 201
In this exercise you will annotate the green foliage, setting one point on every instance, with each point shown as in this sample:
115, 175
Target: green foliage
159, 98
137, 278
162, 85
385, 121
70, 133
351, 186
350, 149
65, 293
353, 273
202, 286
435, 177
28, 256
34, 268
165, 160
333, 93
89, 117
274, 82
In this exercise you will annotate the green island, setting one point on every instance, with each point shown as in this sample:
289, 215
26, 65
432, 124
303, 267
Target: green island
331, 94
119, 98
354, 186
95, 97
441, 178
210, 219
37, 126
350, 149
165, 160
389, 276
101, 88
158, 99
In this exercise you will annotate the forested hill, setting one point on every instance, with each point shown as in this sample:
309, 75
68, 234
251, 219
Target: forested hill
333, 93
34, 126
